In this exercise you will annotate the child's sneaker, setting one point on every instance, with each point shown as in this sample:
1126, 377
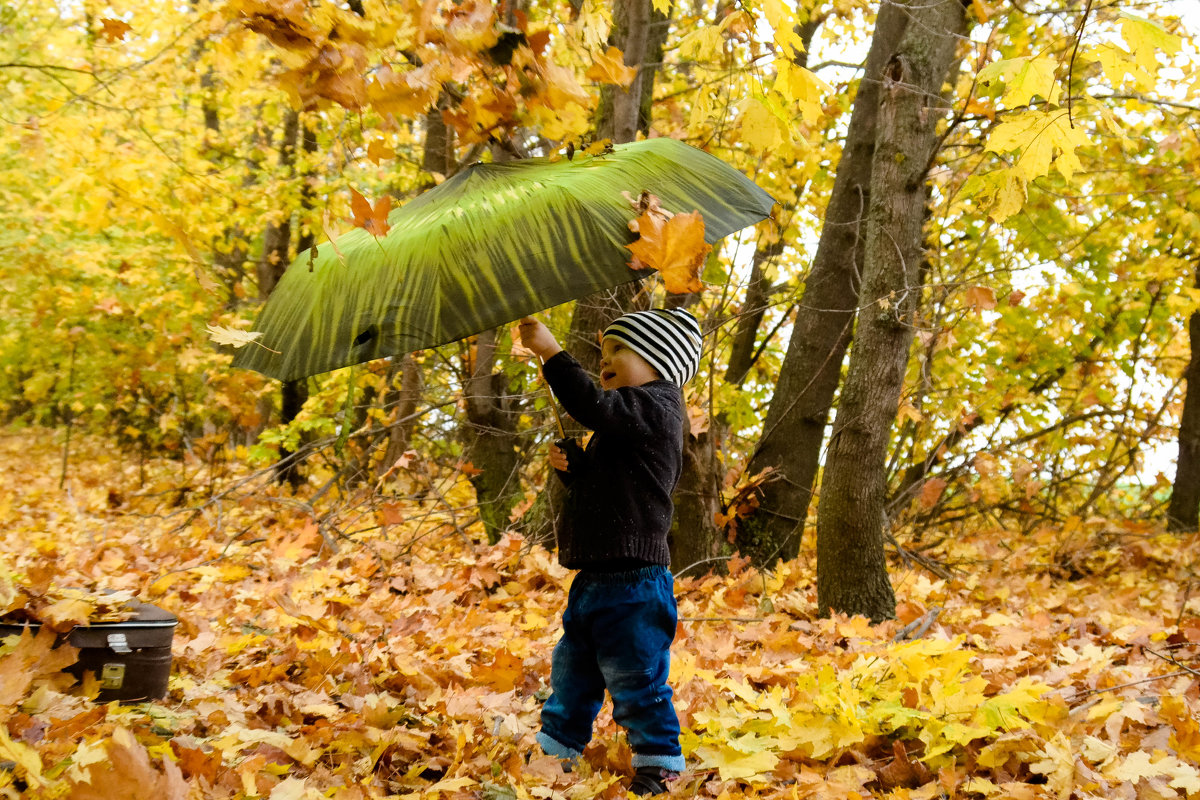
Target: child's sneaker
651, 780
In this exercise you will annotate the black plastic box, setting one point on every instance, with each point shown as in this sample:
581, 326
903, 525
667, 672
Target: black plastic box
131, 659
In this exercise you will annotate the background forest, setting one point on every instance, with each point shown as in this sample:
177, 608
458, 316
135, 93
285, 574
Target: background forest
945, 389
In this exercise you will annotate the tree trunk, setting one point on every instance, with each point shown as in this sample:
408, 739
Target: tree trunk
1183, 513
795, 426
406, 399
696, 542
639, 32
277, 238
490, 438
851, 567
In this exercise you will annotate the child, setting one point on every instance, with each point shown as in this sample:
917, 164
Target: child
620, 617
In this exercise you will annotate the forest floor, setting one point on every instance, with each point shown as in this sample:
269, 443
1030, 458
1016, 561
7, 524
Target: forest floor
383, 650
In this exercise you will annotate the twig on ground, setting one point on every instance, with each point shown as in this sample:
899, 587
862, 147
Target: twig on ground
919, 626
1170, 660
1152, 678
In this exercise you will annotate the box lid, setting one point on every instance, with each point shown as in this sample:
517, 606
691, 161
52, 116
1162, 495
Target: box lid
151, 626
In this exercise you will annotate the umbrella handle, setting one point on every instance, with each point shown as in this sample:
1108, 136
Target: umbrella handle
553, 405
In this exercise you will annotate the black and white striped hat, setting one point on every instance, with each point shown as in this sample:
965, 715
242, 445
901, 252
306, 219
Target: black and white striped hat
669, 339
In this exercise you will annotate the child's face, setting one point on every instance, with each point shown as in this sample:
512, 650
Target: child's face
620, 366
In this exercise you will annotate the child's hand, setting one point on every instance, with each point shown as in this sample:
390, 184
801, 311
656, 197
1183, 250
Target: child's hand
538, 338
563, 452
558, 458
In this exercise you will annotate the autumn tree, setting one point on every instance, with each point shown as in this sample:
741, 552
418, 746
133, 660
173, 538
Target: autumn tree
794, 428
851, 569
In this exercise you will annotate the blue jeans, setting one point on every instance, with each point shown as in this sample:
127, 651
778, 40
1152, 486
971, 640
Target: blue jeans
617, 633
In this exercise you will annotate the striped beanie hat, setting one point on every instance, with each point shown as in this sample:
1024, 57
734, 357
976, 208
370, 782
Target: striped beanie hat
669, 339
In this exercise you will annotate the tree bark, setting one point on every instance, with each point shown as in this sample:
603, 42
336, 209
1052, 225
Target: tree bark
696, 542
277, 238
1183, 512
276, 255
490, 438
639, 32
796, 419
851, 567
406, 398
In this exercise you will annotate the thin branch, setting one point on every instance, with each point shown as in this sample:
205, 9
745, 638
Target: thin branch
1074, 51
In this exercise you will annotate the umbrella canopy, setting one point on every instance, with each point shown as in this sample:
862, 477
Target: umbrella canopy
488, 246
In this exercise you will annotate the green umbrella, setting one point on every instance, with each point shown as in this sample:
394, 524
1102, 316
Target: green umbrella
486, 247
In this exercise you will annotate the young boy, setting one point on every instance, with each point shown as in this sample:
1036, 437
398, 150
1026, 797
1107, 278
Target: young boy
620, 617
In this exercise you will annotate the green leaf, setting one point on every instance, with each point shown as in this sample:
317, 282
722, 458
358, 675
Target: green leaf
488, 246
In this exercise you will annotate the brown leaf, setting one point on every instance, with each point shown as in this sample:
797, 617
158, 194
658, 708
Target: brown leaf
33, 657
901, 772
373, 220
981, 298
931, 492
390, 514
114, 30
129, 773
194, 762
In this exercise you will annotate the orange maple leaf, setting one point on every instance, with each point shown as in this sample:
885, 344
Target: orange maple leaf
981, 298
675, 247
114, 30
373, 220
610, 68
379, 150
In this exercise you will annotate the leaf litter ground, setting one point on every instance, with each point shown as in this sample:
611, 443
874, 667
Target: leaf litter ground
409, 660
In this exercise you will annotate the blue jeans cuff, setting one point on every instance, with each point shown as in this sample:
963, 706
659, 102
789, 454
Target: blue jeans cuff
673, 763
553, 747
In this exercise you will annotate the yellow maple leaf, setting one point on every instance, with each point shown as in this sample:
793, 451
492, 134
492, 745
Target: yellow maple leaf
1145, 38
802, 86
67, 613
734, 764
23, 756
473, 25
702, 44
1024, 79
379, 150
610, 67
761, 128
1044, 139
231, 336
406, 94
782, 19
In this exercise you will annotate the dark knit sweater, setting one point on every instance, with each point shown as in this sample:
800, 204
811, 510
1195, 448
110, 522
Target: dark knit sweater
618, 506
